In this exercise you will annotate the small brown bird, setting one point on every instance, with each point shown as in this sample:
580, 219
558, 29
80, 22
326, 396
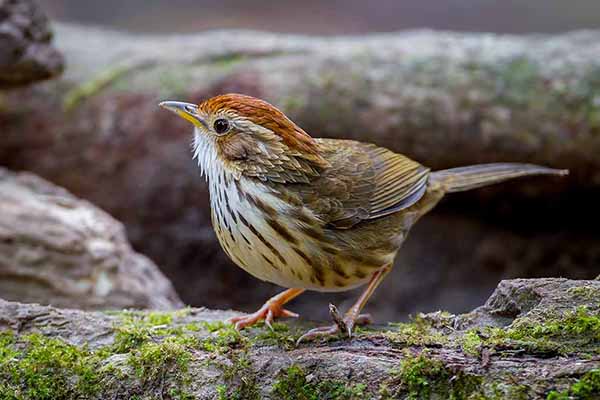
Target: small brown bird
314, 214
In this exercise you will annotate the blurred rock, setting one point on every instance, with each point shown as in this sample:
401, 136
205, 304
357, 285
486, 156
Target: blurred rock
58, 250
445, 99
26, 51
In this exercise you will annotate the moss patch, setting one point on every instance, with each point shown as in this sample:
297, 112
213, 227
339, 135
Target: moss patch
281, 335
576, 331
223, 337
419, 332
156, 354
153, 363
295, 384
471, 343
588, 387
241, 380
421, 377
585, 293
37, 367
238, 373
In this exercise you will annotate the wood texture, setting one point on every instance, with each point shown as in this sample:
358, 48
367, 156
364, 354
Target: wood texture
188, 354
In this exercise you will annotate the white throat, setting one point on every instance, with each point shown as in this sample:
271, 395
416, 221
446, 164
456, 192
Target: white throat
205, 153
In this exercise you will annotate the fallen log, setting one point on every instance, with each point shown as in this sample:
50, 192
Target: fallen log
532, 339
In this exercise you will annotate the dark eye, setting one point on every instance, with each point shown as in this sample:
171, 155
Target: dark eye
221, 125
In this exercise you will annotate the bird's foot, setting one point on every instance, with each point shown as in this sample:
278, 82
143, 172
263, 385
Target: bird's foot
341, 324
268, 312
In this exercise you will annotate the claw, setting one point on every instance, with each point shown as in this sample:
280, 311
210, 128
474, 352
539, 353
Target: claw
288, 314
318, 332
339, 321
269, 319
342, 324
267, 312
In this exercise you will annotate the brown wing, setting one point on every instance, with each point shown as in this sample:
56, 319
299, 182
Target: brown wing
363, 182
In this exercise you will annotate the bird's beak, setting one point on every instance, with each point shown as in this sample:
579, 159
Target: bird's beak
186, 111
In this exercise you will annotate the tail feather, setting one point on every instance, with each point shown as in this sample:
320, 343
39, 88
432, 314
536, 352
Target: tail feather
475, 176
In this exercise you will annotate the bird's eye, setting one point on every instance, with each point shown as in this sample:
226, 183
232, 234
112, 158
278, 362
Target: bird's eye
221, 126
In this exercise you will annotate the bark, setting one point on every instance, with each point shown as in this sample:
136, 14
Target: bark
445, 99
56, 249
531, 338
26, 51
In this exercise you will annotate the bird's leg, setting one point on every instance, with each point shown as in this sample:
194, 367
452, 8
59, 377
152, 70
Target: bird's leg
352, 316
271, 309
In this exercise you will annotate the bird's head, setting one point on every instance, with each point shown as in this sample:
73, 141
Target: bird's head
247, 136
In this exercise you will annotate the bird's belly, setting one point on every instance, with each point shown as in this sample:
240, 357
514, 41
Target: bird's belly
256, 231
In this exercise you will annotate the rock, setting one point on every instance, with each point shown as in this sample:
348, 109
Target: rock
26, 52
56, 249
190, 353
445, 99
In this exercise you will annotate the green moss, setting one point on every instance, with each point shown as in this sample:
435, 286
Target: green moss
416, 333
501, 391
280, 335
164, 364
134, 328
471, 343
295, 384
223, 337
239, 374
585, 292
588, 387
575, 331
151, 358
421, 377
241, 379
578, 323
37, 367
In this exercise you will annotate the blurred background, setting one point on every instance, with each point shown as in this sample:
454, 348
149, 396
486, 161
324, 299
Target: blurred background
442, 98
341, 17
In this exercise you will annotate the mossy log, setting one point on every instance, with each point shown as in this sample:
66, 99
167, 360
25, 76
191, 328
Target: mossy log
445, 99
533, 339
60, 250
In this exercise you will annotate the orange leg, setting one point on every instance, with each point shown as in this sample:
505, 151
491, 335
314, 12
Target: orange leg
352, 316
271, 309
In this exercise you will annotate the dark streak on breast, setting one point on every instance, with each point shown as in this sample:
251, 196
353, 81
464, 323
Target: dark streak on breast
360, 274
318, 271
338, 269
281, 230
268, 260
365, 260
267, 209
262, 239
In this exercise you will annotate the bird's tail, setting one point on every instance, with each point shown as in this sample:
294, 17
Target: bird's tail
475, 176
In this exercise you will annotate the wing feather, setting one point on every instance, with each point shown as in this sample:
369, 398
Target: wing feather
363, 182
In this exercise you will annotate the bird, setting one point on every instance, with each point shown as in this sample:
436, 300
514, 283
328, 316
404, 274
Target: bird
315, 214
